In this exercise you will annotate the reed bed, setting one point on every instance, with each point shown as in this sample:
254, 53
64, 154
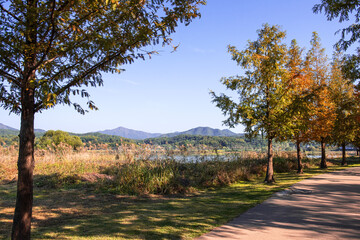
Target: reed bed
143, 169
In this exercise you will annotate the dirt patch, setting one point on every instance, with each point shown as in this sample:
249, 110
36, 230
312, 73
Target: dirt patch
95, 177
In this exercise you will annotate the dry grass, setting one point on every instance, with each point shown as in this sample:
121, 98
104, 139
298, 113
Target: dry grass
66, 208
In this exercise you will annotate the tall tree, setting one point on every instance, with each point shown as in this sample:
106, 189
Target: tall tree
262, 90
347, 106
50, 48
322, 119
300, 107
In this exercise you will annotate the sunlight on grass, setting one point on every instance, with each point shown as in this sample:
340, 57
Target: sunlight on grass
73, 211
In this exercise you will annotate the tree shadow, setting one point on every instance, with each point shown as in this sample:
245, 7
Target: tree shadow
329, 209
84, 212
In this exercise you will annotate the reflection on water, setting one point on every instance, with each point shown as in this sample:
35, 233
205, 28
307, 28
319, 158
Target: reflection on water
313, 156
196, 158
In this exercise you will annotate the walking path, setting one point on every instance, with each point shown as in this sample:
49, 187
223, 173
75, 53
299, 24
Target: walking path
323, 207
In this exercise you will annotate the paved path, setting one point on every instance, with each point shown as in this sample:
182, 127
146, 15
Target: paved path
323, 207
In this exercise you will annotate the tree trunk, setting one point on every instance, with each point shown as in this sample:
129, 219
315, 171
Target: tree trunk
300, 167
343, 162
24, 199
21, 228
270, 166
323, 155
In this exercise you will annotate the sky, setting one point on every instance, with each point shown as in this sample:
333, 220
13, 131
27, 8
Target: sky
170, 91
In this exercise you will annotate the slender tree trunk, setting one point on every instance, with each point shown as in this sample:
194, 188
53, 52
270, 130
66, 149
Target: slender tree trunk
343, 162
24, 199
298, 153
270, 165
323, 155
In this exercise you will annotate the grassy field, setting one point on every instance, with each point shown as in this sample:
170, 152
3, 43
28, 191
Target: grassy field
83, 211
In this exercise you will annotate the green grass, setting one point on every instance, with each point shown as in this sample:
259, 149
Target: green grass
84, 213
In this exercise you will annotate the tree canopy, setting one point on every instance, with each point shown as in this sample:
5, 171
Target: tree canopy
51, 49
53, 138
343, 10
262, 90
67, 44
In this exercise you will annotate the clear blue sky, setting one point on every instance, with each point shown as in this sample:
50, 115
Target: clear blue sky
170, 91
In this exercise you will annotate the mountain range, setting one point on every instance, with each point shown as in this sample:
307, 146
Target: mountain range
202, 131
129, 133
139, 135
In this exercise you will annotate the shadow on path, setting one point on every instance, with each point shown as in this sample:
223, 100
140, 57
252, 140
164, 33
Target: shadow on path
322, 207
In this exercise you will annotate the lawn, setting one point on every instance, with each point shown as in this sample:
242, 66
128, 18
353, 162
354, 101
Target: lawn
85, 213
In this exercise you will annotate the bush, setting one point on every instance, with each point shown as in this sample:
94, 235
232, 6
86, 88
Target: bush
171, 177
54, 138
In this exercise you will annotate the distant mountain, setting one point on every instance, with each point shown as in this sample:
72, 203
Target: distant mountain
129, 133
203, 131
139, 135
3, 126
38, 130
6, 130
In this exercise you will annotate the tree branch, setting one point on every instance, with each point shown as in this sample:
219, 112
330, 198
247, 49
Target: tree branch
9, 13
9, 76
52, 37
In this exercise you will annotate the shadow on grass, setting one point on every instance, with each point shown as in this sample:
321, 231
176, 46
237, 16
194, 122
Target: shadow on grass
83, 213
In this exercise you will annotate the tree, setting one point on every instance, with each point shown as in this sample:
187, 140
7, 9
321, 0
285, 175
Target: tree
50, 48
301, 99
322, 119
263, 89
51, 138
347, 107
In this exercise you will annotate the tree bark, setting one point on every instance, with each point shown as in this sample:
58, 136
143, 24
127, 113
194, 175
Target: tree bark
298, 153
21, 228
343, 162
269, 178
323, 155
24, 198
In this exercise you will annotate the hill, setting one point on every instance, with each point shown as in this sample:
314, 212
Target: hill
5, 127
140, 135
7, 131
129, 133
203, 131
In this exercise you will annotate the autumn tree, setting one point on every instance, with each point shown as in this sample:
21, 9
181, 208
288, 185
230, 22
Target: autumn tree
50, 49
300, 107
262, 89
346, 124
322, 119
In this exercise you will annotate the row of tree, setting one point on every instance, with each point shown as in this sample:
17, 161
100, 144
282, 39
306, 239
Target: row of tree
286, 94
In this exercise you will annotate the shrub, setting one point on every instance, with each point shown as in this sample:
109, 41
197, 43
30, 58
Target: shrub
171, 177
54, 138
